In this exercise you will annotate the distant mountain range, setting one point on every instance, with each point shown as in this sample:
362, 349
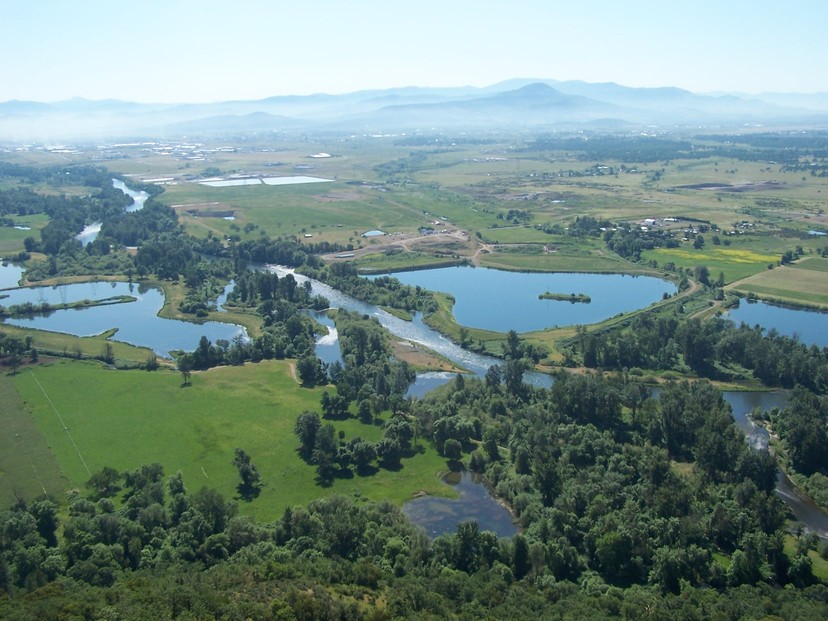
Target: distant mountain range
520, 104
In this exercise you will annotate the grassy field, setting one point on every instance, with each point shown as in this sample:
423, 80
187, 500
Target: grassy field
124, 419
27, 466
81, 346
819, 564
11, 239
803, 281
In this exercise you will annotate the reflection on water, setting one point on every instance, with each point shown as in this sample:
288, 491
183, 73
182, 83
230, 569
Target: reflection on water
439, 516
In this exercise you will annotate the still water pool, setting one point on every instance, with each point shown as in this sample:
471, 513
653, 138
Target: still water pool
498, 300
136, 322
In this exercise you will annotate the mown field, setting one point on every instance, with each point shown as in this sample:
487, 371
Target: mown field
124, 419
805, 281
28, 468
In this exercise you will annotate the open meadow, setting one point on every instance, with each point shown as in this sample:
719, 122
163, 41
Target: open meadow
91, 417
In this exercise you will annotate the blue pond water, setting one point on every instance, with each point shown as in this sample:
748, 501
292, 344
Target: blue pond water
137, 322
811, 327
498, 300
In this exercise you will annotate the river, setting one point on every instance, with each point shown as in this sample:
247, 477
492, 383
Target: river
91, 231
808, 513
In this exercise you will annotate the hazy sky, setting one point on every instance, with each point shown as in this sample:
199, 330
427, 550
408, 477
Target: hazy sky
211, 50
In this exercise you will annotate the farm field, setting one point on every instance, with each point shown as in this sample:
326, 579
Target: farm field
803, 281
124, 419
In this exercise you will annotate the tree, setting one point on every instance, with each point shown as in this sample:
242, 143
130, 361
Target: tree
467, 554
363, 454
520, 556
493, 377
104, 483
310, 370
306, 427
185, 366
512, 347
325, 450
513, 376
401, 430
452, 449
703, 274
214, 509
389, 452
44, 510
250, 485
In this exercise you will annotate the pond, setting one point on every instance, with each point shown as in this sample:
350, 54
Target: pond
500, 300
439, 516
10, 276
137, 322
811, 327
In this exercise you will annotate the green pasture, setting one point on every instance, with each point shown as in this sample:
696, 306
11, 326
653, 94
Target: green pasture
803, 281
81, 346
27, 466
381, 262
745, 256
562, 261
819, 565
124, 419
11, 239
